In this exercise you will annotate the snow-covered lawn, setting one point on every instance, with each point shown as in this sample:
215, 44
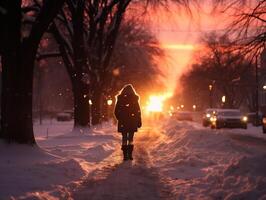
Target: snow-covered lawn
173, 160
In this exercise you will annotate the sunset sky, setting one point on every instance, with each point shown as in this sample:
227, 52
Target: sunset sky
179, 34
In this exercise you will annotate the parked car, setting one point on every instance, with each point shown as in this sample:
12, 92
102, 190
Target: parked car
229, 118
207, 116
183, 116
64, 116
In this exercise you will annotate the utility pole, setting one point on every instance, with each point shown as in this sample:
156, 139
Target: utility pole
257, 91
210, 94
40, 88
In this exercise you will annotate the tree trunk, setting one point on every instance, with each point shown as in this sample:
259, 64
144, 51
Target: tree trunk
81, 104
105, 109
18, 56
80, 85
96, 106
17, 81
17, 98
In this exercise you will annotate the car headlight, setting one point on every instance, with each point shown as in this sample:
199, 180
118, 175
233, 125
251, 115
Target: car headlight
245, 119
208, 115
213, 119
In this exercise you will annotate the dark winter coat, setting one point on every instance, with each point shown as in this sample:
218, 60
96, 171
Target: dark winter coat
127, 112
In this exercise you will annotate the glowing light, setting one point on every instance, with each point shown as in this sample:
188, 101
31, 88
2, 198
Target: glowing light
90, 102
109, 102
116, 72
245, 118
155, 102
213, 119
223, 99
194, 107
182, 106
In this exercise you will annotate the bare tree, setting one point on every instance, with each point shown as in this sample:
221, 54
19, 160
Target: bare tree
228, 73
135, 49
135, 54
18, 53
133, 61
247, 28
101, 22
86, 44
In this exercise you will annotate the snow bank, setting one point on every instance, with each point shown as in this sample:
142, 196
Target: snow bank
242, 179
99, 152
27, 168
200, 163
60, 160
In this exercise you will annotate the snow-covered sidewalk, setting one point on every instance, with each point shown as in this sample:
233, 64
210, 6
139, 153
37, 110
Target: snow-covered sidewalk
129, 180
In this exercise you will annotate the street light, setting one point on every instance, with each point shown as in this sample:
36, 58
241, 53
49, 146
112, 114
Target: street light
223, 99
109, 102
194, 107
90, 107
210, 94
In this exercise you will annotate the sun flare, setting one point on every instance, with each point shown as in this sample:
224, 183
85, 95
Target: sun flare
156, 102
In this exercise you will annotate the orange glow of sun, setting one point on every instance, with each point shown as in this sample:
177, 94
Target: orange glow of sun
156, 102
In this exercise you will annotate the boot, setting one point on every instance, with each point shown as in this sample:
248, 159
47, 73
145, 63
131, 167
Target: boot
130, 150
125, 150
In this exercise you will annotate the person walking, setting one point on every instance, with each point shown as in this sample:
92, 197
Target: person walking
128, 114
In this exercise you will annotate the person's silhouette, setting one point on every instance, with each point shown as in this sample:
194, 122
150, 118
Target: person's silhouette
128, 114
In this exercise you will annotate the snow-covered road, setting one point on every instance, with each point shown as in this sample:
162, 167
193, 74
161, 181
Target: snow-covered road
172, 160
